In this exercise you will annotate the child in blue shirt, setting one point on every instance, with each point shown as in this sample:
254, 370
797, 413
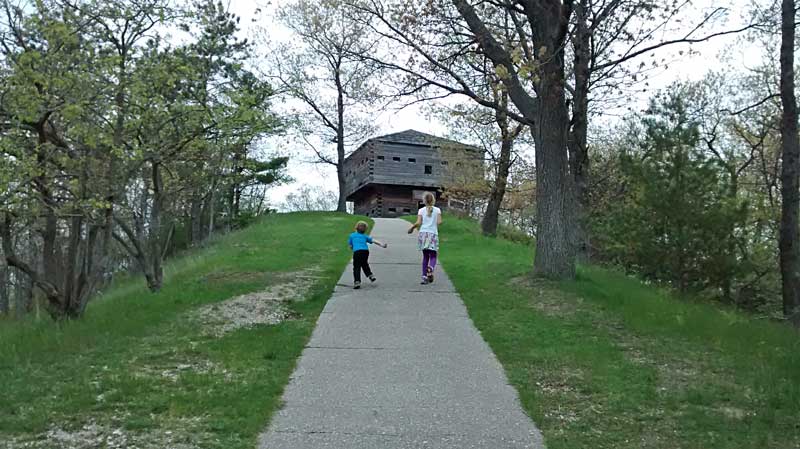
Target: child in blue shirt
358, 243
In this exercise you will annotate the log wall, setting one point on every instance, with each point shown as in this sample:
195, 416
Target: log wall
387, 179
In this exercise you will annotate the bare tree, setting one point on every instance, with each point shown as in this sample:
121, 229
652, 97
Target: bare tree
497, 135
309, 198
324, 70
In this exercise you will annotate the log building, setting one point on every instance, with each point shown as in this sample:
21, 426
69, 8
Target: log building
387, 175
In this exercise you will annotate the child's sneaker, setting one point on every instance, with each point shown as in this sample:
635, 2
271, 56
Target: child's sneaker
424, 280
430, 276
372, 278
356, 285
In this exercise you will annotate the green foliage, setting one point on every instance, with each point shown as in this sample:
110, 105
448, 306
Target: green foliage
682, 217
108, 126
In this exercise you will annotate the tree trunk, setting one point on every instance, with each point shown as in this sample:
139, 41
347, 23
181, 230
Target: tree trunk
789, 240
579, 155
5, 303
156, 243
196, 219
23, 294
490, 218
555, 187
235, 192
555, 250
342, 203
211, 208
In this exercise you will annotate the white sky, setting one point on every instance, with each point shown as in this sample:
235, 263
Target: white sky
709, 57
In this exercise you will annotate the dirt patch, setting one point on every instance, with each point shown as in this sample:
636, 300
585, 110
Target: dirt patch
184, 433
174, 371
546, 297
566, 383
228, 277
268, 306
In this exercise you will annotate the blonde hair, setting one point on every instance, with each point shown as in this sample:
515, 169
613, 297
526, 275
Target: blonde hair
429, 199
361, 227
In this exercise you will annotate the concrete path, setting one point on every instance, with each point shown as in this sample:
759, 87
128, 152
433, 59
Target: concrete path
398, 365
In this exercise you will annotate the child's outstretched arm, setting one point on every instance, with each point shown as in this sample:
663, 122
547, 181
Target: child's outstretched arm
416, 225
379, 243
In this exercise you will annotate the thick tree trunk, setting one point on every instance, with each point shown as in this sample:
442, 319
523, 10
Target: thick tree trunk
555, 185
555, 250
789, 240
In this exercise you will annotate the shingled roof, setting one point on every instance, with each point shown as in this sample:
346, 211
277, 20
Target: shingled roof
414, 137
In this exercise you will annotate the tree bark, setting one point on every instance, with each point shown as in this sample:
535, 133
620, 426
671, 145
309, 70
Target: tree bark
23, 294
789, 239
578, 151
507, 137
555, 250
555, 201
156, 243
342, 203
196, 219
5, 303
211, 208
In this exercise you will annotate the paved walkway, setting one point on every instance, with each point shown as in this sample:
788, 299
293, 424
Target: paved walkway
398, 365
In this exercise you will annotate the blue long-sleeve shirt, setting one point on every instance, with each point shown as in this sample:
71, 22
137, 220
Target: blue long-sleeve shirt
359, 241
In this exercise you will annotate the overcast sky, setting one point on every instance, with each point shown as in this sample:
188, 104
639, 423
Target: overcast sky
726, 50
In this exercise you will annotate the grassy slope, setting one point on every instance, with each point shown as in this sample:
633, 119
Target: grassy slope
607, 362
109, 367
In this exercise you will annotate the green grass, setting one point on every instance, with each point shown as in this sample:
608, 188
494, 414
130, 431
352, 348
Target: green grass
140, 364
609, 362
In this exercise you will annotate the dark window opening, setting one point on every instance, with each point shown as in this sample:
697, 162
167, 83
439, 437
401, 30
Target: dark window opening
380, 158
392, 209
406, 210
444, 162
396, 158
429, 169
411, 159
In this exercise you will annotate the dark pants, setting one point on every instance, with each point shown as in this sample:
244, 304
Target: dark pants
360, 262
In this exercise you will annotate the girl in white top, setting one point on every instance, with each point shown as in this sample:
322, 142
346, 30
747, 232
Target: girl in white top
428, 220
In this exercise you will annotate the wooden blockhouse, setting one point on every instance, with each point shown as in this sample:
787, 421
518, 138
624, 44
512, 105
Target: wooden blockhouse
387, 175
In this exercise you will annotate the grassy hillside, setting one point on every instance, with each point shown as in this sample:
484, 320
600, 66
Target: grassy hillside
607, 362
157, 370
603, 362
